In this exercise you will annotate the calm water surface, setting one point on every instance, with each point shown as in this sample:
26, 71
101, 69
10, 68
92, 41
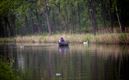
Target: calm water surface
76, 62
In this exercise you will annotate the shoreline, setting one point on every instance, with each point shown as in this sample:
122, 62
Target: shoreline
107, 38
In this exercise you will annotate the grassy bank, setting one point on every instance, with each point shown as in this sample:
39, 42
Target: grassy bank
72, 38
110, 38
121, 38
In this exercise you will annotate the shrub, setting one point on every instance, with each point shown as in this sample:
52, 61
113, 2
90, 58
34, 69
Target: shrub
6, 72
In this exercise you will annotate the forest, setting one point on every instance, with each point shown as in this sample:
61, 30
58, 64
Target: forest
29, 17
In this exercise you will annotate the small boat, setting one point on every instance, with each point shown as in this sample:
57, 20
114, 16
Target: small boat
63, 44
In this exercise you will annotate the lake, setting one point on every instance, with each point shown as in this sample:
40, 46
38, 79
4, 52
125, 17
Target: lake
76, 62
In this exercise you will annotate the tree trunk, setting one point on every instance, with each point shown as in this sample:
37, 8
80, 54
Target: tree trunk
47, 17
7, 27
111, 15
93, 15
12, 24
118, 18
78, 14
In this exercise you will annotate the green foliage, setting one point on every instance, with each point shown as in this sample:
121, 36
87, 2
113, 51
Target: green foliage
4, 7
6, 72
7, 6
63, 15
123, 38
71, 15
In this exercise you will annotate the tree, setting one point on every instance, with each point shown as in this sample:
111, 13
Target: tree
92, 11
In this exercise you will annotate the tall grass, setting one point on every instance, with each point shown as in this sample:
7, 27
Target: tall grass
114, 38
73, 38
108, 38
6, 40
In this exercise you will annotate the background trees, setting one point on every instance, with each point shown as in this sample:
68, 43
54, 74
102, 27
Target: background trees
24, 17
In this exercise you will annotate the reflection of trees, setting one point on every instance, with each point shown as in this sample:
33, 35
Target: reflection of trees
6, 51
123, 64
43, 64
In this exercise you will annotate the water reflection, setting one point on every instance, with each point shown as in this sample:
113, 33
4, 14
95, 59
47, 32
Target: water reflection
8, 51
76, 62
63, 50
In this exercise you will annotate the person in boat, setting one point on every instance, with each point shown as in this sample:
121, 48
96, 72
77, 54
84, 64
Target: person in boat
61, 40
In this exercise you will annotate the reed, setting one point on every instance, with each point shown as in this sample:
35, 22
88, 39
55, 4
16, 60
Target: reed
113, 38
108, 38
73, 38
6, 40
